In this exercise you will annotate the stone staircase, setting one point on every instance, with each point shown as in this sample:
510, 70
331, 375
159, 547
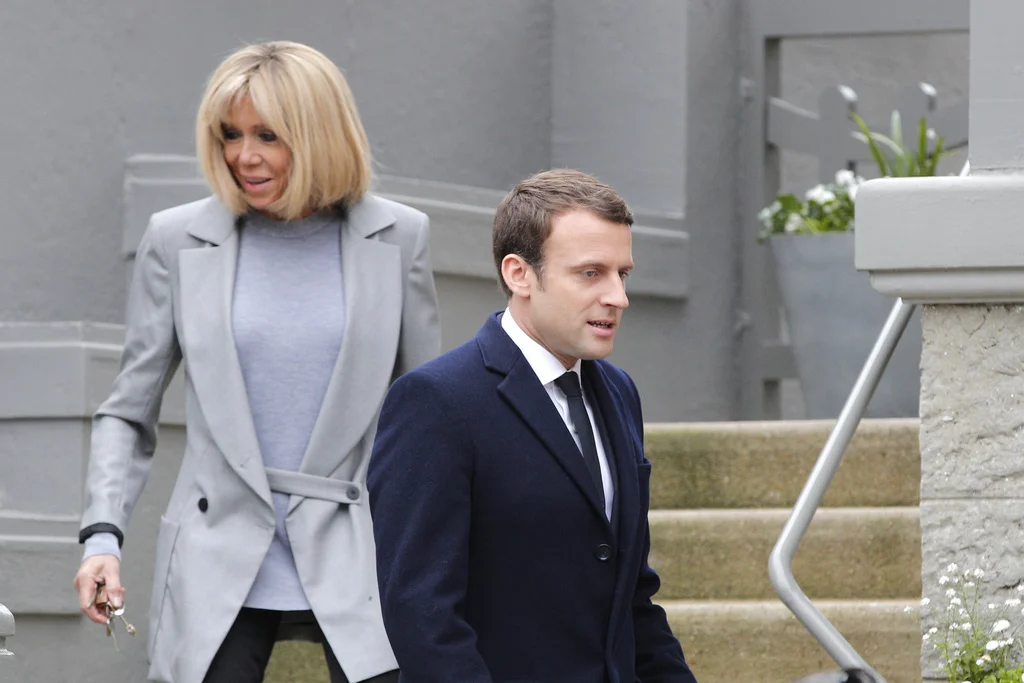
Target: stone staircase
720, 495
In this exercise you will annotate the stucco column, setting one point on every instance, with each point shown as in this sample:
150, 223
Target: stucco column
956, 246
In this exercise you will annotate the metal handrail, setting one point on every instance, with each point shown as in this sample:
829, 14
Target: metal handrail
780, 563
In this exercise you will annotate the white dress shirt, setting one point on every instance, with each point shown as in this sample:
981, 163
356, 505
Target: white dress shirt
548, 369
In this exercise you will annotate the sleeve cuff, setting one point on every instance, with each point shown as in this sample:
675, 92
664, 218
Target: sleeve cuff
102, 543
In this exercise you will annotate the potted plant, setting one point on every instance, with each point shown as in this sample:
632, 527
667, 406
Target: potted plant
833, 314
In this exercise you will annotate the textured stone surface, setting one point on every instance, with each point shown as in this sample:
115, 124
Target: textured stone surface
766, 464
848, 553
972, 471
972, 390
733, 642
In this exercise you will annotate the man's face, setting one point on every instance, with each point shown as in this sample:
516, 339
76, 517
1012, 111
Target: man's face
573, 307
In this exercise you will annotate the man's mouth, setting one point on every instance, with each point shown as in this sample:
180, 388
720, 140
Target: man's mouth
602, 324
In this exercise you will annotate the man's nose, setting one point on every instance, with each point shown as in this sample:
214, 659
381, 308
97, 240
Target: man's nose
616, 294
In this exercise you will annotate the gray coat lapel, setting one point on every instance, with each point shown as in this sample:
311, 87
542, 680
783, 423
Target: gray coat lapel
372, 277
207, 277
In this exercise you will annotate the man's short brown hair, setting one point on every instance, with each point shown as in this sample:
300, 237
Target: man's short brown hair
522, 222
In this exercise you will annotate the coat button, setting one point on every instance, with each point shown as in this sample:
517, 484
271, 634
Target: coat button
352, 493
203, 505
603, 552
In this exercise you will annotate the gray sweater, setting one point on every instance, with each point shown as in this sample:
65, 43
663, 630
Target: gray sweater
288, 318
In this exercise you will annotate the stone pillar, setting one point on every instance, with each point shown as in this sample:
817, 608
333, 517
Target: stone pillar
955, 245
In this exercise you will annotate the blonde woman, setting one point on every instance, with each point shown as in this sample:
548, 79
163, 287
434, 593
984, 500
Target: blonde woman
294, 297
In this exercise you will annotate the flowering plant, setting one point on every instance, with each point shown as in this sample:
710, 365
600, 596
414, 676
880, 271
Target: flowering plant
824, 208
829, 207
976, 639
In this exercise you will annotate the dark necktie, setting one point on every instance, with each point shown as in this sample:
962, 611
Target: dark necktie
569, 383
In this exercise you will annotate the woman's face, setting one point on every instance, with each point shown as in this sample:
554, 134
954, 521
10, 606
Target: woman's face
256, 156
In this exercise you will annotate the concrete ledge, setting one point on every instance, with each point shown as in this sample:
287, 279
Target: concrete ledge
943, 239
766, 464
726, 642
461, 219
36, 573
848, 553
65, 370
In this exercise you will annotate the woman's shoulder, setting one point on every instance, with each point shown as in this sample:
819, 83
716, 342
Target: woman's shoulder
403, 216
179, 225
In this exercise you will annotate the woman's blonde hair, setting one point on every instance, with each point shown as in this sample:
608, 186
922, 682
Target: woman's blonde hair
304, 99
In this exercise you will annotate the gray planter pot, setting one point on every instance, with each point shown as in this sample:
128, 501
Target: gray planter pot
835, 318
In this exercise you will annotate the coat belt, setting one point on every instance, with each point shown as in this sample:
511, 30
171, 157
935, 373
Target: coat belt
312, 486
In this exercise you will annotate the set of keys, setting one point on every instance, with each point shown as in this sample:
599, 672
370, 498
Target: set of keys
101, 600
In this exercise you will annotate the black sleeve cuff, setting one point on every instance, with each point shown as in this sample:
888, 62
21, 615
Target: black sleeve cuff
102, 527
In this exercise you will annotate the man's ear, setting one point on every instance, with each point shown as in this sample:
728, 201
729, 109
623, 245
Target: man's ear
517, 275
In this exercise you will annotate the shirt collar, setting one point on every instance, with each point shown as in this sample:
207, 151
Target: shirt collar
544, 364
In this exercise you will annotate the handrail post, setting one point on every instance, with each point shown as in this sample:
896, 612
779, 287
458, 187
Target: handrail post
6, 631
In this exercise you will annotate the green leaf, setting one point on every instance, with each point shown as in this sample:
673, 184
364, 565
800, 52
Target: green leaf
922, 144
873, 148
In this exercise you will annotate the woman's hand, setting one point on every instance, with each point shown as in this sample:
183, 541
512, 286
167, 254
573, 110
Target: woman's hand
96, 570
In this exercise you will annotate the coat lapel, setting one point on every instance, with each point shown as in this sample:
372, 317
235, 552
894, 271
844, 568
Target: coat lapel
207, 277
620, 451
527, 397
627, 497
372, 279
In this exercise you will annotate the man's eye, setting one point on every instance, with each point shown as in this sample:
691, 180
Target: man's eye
624, 274
589, 273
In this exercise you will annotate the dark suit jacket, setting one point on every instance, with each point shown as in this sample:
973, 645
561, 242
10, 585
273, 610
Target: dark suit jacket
494, 557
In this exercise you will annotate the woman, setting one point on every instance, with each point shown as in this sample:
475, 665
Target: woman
294, 297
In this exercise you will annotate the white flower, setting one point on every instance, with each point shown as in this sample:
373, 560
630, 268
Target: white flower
955, 601
991, 605
926, 637
820, 194
950, 593
943, 580
1020, 587
978, 573
1000, 626
925, 602
966, 626
933, 630
766, 214
969, 584
794, 223
931, 134
992, 645
1013, 602
845, 178
952, 567
852, 191
908, 610
963, 612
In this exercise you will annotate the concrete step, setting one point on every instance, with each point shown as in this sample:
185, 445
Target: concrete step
847, 553
766, 464
762, 642
726, 642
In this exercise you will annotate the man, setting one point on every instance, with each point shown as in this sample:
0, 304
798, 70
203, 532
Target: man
510, 507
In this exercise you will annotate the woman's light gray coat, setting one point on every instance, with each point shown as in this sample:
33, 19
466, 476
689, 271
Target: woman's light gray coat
206, 560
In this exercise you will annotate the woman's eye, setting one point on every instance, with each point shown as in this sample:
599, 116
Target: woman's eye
230, 133
268, 136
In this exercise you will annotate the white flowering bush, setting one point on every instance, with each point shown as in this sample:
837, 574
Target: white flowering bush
824, 208
976, 639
